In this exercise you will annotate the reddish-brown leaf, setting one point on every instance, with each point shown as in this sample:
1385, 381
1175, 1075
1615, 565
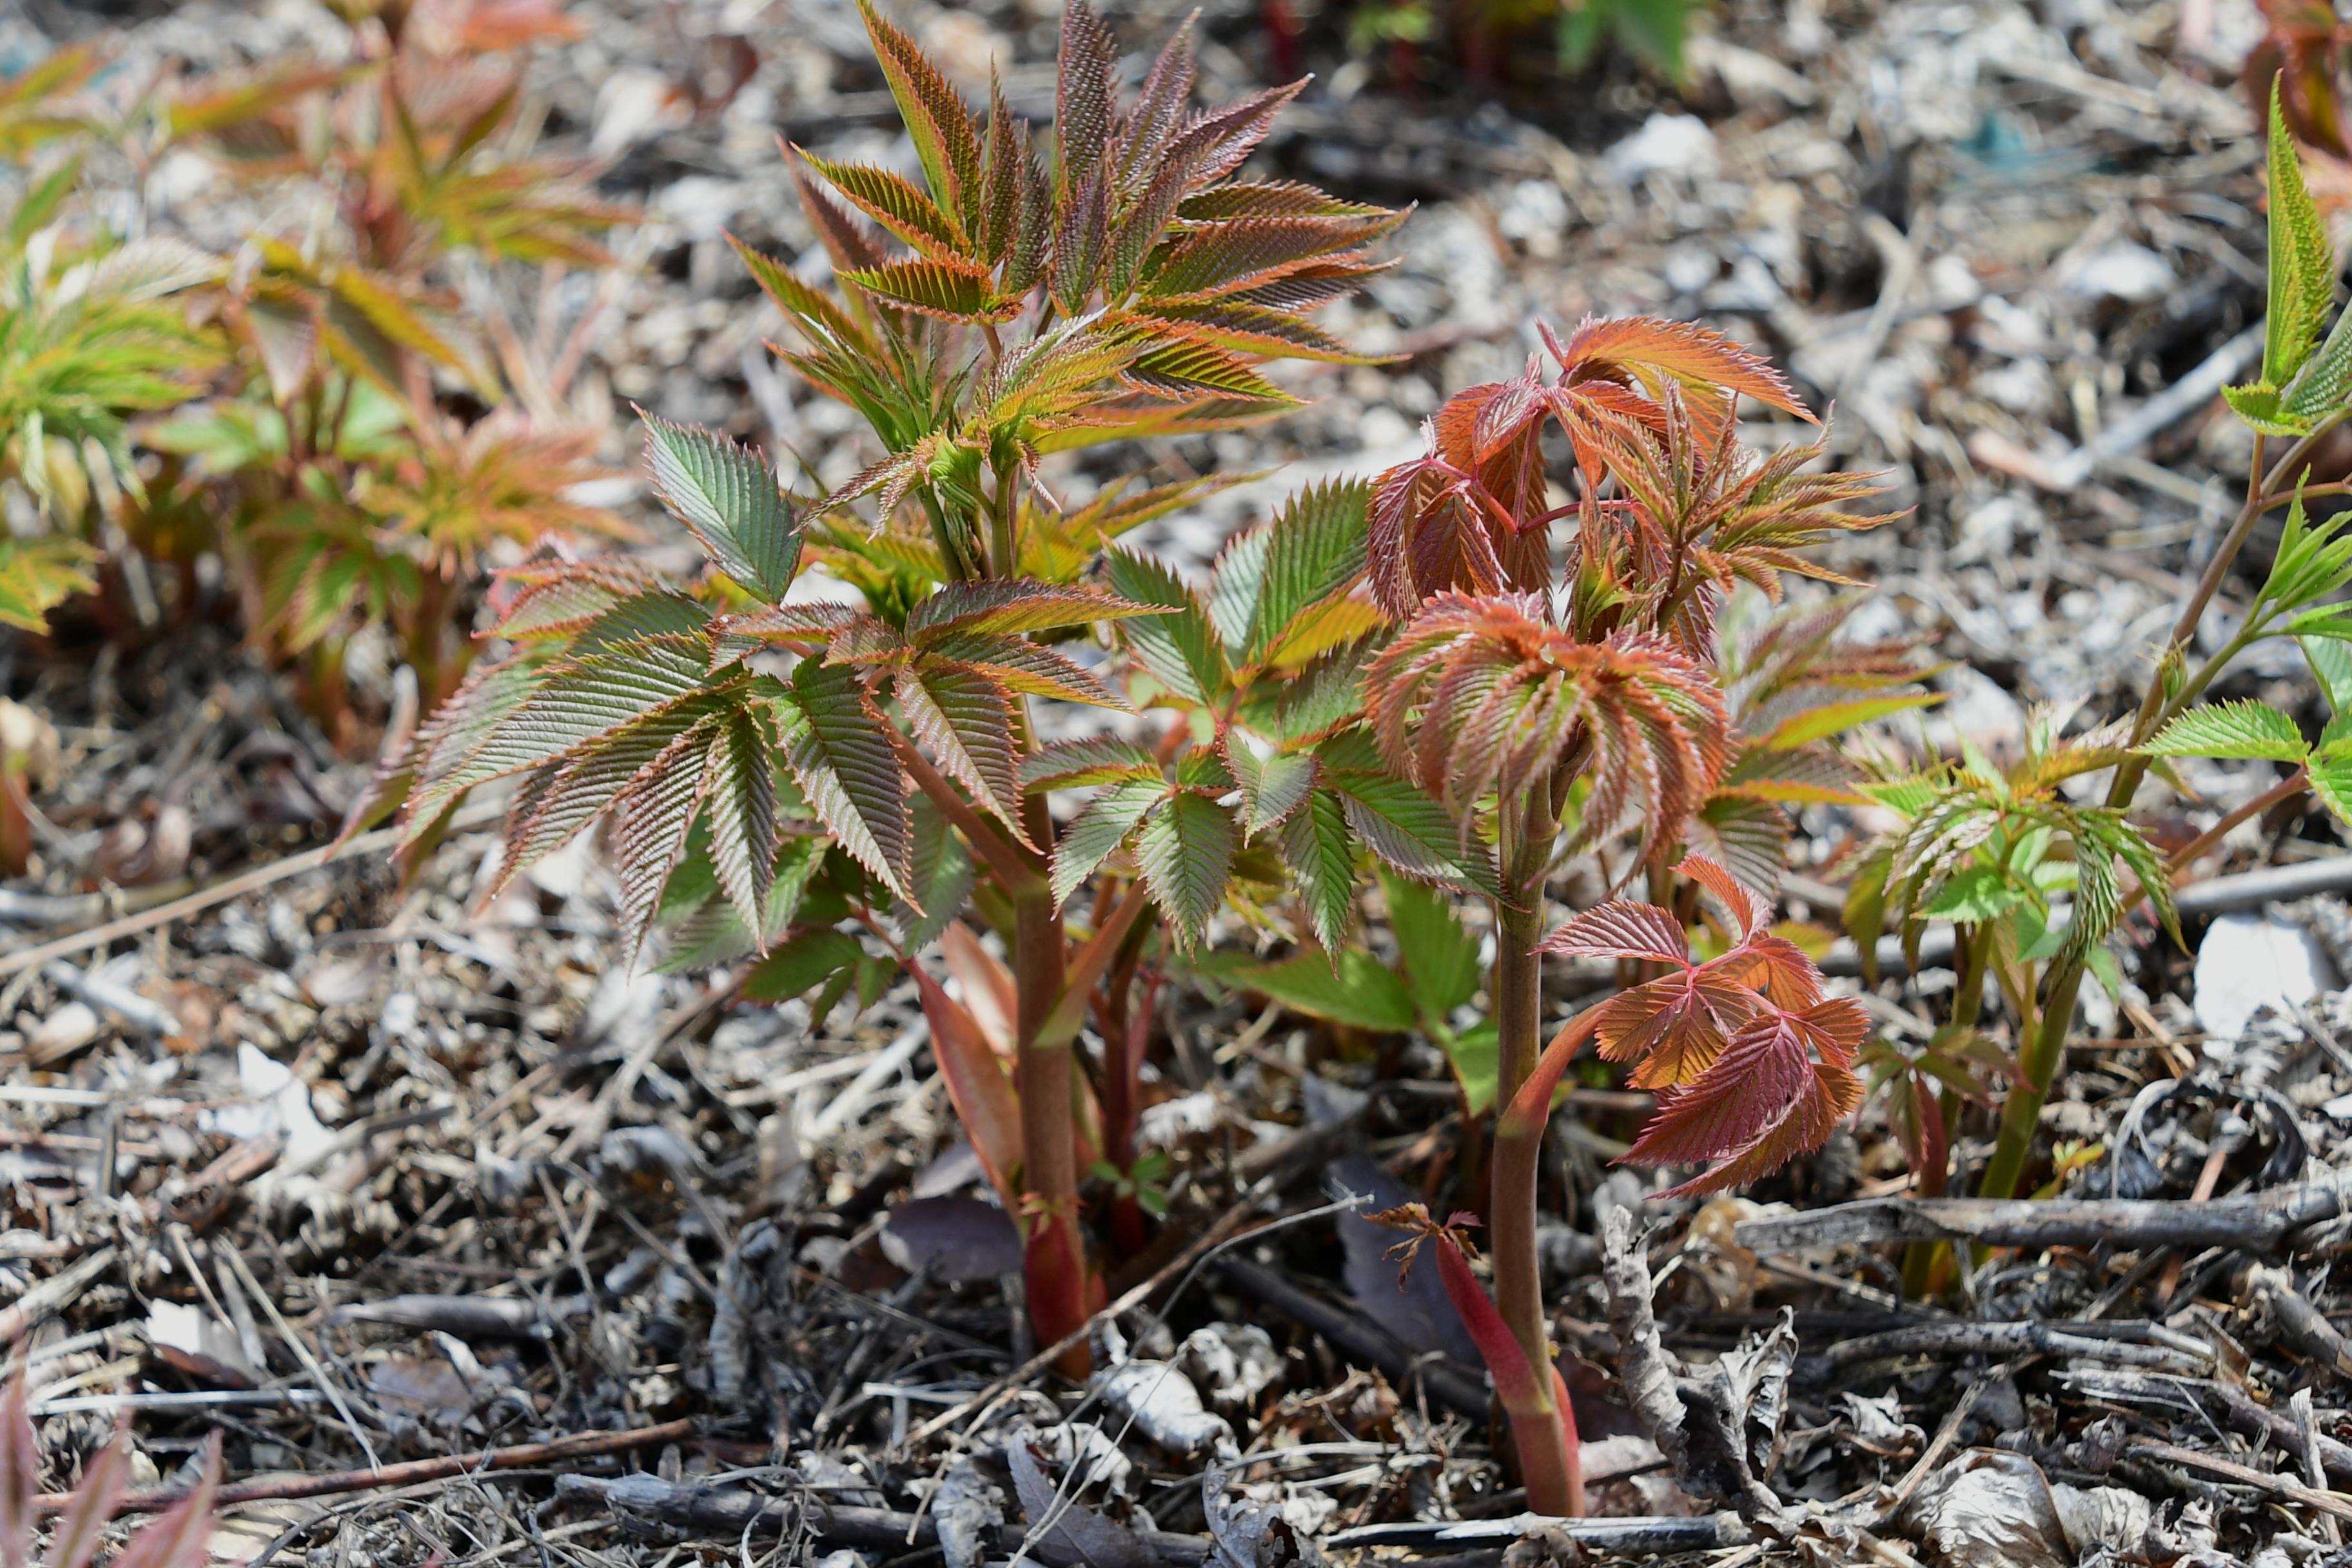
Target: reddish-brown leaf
1621, 928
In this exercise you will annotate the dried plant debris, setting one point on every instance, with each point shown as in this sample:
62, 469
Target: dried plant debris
354, 1176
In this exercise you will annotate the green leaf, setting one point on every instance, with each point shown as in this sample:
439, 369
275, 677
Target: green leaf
1002, 606
2314, 560
843, 761
1975, 895
966, 720
1186, 853
2260, 406
2331, 621
2330, 771
741, 808
1096, 760
948, 291
944, 875
1179, 648
1267, 578
1273, 784
650, 820
1440, 954
1362, 995
38, 574
1100, 829
2302, 262
2331, 665
1835, 718
1316, 848
2326, 381
801, 964
937, 120
894, 204
1475, 1055
582, 700
1315, 550
2244, 728
730, 501
1864, 912
1413, 833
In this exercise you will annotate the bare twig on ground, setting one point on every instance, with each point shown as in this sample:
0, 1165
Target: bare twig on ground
280, 1489
2256, 1223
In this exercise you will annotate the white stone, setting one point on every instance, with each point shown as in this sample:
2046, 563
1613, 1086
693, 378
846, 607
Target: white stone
1666, 144
2119, 271
65, 1031
2247, 962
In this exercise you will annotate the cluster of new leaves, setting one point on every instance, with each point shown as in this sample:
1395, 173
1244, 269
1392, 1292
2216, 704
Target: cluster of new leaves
2303, 380
1674, 509
1481, 697
1984, 845
177, 1540
1753, 1063
1156, 282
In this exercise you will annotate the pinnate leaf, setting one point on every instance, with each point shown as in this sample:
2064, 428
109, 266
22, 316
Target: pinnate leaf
1010, 604
2302, 262
843, 759
950, 290
2245, 729
1101, 829
730, 501
1316, 848
1622, 930
1185, 851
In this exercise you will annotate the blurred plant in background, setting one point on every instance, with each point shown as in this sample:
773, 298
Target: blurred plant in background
1483, 33
385, 430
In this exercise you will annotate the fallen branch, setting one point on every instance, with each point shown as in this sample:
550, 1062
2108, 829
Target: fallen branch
2256, 1223
1631, 1536
1994, 1339
731, 1513
280, 1488
2243, 1475
2212, 1398
2300, 1323
53, 1295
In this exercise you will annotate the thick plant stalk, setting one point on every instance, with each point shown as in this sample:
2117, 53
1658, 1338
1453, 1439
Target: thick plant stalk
1542, 1423
1054, 1258
1543, 1427
1516, 983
